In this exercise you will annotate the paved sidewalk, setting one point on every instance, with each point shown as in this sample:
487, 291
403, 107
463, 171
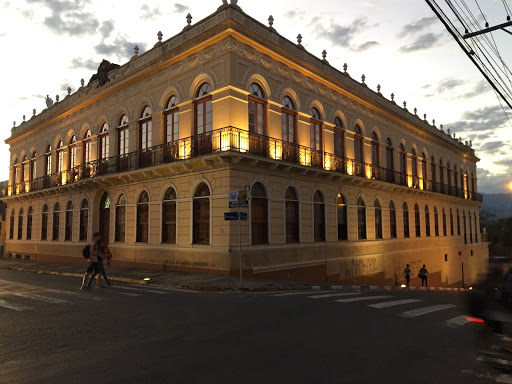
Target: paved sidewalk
179, 280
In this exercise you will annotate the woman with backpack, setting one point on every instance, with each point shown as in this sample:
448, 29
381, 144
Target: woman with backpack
95, 266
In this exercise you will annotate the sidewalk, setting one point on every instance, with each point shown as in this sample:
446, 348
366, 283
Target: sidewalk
178, 280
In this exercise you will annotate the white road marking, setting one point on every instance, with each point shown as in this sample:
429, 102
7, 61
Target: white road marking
427, 310
333, 295
16, 307
393, 303
139, 289
45, 299
82, 295
295, 293
457, 321
361, 299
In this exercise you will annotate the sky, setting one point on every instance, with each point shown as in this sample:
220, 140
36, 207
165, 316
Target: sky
49, 45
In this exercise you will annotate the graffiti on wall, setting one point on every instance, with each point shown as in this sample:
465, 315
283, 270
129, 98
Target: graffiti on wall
356, 267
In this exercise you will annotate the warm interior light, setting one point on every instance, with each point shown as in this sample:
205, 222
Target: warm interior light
350, 168
421, 185
276, 150
327, 162
368, 172
403, 286
147, 278
306, 158
409, 181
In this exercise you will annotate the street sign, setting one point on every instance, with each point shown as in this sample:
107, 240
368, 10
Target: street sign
243, 216
238, 199
230, 215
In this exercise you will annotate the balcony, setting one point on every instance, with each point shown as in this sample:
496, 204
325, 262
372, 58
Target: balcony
238, 140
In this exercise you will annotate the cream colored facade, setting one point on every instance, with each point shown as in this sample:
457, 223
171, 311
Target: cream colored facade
231, 51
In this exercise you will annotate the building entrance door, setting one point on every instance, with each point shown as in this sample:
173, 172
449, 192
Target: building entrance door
104, 227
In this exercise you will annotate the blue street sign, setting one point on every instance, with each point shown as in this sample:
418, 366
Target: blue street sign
230, 215
243, 216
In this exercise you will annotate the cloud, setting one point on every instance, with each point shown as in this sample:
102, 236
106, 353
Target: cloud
417, 26
106, 28
78, 63
148, 14
425, 41
492, 146
480, 120
122, 47
492, 182
448, 84
480, 88
180, 7
505, 162
69, 17
344, 35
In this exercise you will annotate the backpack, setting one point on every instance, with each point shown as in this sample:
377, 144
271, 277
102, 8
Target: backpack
86, 252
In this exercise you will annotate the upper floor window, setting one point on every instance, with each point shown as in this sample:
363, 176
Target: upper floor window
455, 177
203, 110
256, 109
145, 129
288, 117
59, 157
403, 160
172, 120
122, 136
48, 161
339, 138
86, 157
72, 153
315, 128
449, 175
414, 163
389, 154
375, 150
32, 170
104, 142
441, 172
432, 170
358, 144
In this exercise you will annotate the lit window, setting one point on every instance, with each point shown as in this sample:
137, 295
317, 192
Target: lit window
257, 107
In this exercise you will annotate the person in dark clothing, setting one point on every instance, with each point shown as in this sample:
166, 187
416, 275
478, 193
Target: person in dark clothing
423, 275
407, 273
95, 257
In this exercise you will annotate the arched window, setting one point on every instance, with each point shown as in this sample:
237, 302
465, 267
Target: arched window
417, 224
288, 116
470, 228
361, 219
441, 176
201, 215
389, 155
21, 176
318, 217
464, 227
342, 217
405, 210
444, 223
392, 220
44, 223
120, 218
59, 157
142, 218
32, 169
458, 222
375, 150
172, 120
29, 223
403, 165
68, 234
315, 130
451, 223
86, 146
48, 161
56, 222
20, 224
257, 103
104, 142
259, 214
145, 129
169, 217
292, 216
122, 136
358, 144
424, 168
339, 138
414, 163
427, 221
72, 163
455, 179
378, 220
476, 229
84, 220
436, 222
433, 175
11, 226
203, 110
449, 177
14, 177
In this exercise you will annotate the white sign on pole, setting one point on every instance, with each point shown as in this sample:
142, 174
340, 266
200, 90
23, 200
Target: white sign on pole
238, 199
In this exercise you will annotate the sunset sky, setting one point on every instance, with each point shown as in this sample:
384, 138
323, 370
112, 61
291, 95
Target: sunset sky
49, 45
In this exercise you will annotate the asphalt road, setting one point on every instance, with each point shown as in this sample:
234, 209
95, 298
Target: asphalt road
51, 332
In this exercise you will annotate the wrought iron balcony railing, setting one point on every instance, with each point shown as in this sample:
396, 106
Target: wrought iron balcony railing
238, 140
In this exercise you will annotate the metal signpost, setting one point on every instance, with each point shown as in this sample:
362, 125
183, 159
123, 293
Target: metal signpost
238, 199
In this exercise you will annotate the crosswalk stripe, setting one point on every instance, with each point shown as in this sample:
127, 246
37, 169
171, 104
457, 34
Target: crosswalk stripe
365, 298
45, 299
333, 295
427, 310
393, 303
139, 289
82, 295
295, 293
457, 321
16, 307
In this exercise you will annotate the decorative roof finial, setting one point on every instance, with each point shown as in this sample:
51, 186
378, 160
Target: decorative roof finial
49, 102
299, 38
224, 2
363, 78
271, 21
34, 112
378, 89
136, 50
425, 116
82, 82
433, 122
470, 144
160, 35
415, 111
14, 124
189, 18
69, 91
23, 118
448, 131
57, 98
324, 54
233, 2
441, 127
393, 97
454, 135
405, 104
345, 66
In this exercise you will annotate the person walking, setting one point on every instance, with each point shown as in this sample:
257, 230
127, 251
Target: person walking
92, 260
407, 273
423, 276
104, 253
